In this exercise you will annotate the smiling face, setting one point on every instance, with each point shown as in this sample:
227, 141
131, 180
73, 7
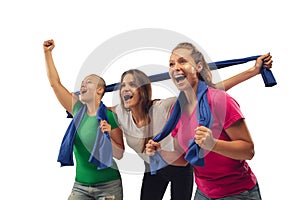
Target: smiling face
91, 88
135, 90
129, 92
183, 69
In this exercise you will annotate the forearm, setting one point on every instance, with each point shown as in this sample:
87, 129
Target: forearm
116, 138
51, 70
237, 149
173, 157
118, 150
239, 78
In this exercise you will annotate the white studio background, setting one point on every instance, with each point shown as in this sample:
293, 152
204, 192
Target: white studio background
33, 122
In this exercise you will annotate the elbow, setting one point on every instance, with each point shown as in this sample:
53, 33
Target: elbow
119, 155
55, 84
251, 153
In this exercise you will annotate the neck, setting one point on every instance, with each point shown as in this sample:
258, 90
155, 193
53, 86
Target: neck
92, 108
139, 116
191, 97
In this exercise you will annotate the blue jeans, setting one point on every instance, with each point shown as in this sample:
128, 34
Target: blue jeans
111, 190
253, 194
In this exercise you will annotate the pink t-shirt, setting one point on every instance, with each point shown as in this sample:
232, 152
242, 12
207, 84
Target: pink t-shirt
220, 176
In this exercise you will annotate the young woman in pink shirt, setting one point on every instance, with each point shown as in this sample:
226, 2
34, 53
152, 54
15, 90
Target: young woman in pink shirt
224, 138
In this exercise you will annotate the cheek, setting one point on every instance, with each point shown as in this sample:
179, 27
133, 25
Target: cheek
136, 94
170, 73
193, 70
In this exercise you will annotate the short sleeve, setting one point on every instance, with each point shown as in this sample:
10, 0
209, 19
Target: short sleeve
111, 119
76, 107
233, 112
225, 109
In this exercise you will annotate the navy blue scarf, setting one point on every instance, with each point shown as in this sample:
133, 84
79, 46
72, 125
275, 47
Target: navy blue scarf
266, 73
195, 154
102, 151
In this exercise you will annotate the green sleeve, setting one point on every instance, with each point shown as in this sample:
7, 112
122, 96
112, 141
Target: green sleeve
111, 119
76, 107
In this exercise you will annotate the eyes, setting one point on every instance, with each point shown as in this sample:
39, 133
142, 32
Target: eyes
180, 61
86, 82
130, 84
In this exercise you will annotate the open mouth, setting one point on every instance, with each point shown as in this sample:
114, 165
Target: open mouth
127, 97
83, 91
179, 78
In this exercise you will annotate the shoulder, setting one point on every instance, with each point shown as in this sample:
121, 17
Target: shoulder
217, 96
221, 102
77, 106
165, 103
111, 119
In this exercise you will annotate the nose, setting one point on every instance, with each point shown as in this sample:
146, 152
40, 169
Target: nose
125, 88
83, 83
176, 66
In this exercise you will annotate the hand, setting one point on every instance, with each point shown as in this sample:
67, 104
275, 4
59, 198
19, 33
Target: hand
152, 147
48, 45
263, 61
204, 138
105, 127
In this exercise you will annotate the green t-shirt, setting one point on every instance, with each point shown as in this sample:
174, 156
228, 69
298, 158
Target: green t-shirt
86, 172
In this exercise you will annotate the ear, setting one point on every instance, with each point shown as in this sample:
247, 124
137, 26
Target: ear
100, 91
199, 67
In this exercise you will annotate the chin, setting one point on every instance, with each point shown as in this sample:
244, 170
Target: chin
126, 106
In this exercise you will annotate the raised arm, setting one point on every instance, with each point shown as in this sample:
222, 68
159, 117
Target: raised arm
262, 61
65, 98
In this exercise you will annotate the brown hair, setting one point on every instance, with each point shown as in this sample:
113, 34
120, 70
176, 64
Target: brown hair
144, 87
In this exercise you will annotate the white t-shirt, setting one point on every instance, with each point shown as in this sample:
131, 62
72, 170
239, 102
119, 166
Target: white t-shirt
135, 136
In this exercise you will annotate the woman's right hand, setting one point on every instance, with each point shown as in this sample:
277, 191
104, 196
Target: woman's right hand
48, 45
152, 147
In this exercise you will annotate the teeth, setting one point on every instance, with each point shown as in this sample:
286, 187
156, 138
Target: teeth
127, 96
179, 77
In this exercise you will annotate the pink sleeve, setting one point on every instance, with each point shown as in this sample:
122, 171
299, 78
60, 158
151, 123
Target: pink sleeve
233, 112
226, 109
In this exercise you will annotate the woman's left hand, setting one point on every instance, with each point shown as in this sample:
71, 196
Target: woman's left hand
263, 61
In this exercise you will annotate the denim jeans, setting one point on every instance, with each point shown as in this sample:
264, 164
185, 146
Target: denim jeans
111, 190
253, 194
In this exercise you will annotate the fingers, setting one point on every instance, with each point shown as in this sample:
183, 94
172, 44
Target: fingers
151, 147
105, 127
48, 45
267, 59
204, 138
263, 61
201, 134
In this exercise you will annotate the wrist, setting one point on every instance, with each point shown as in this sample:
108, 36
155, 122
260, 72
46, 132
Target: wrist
254, 70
